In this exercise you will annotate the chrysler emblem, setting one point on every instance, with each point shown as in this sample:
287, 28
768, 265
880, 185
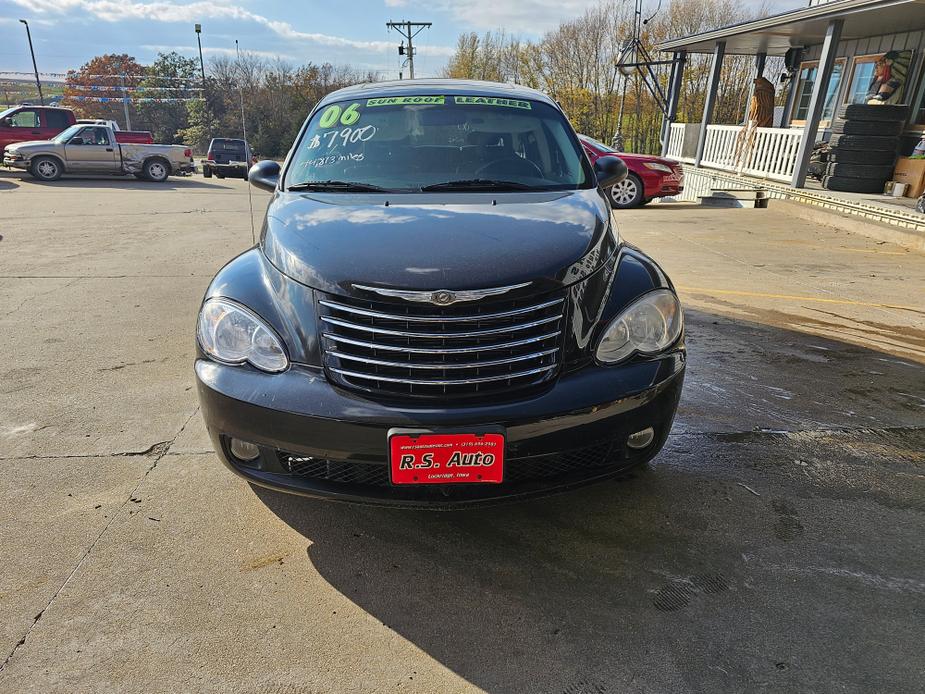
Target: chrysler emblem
441, 297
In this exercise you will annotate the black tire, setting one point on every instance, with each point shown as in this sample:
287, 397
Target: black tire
627, 193
853, 185
867, 127
890, 113
858, 156
46, 168
868, 171
870, 143
207, 173
156, 169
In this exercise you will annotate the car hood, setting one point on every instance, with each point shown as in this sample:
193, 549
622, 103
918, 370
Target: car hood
640, 158
438, 241
21, 146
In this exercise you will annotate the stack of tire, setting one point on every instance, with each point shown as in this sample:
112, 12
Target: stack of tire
863, 147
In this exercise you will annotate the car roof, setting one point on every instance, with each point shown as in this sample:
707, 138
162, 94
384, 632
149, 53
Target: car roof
371, 90
227, 139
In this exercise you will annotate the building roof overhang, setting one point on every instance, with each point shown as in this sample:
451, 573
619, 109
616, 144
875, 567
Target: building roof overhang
806, 26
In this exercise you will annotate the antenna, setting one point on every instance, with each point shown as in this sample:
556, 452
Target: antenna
635, 58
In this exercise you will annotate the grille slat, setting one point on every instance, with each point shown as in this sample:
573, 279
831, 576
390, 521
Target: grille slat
445, 365
437, 336
444, 382
468, 349
438, 319
439, 350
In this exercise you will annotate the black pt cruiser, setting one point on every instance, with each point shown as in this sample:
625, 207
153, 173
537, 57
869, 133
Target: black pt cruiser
440, 311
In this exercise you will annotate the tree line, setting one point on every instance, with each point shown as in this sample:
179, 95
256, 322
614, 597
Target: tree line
268, 99
575, 63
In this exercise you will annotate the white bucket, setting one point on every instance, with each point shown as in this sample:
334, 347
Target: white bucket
899, 189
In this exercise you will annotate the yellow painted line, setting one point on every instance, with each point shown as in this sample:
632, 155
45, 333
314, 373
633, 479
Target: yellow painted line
866, 250
793, 297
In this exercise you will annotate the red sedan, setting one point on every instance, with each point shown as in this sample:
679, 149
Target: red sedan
649, 177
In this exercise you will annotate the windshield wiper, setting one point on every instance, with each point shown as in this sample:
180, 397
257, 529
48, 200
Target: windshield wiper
347, 186
476, 184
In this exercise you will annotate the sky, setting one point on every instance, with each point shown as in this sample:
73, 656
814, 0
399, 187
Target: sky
67, 33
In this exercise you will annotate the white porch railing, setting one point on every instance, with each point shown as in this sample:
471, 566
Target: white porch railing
676, 141
763, 153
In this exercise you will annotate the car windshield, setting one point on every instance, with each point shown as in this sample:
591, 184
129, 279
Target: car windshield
65, 135
597, 144
435, 142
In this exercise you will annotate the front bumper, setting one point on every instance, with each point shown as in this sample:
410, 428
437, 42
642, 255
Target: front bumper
318, 440
15, 163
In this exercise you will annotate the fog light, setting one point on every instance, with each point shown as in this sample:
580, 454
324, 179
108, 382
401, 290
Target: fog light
641, 439
243, 450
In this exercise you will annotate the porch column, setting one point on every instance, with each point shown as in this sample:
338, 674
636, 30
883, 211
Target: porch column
718, 53
674, 96
817, 102
791, 93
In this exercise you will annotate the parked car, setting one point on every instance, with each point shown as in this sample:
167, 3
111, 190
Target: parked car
227, 157
94, 149
649, 177
24, 123
140, 137
439, 310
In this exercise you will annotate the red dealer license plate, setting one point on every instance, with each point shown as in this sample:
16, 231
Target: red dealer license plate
426, 458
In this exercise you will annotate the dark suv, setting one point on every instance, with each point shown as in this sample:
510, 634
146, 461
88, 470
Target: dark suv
440, 310
227, 157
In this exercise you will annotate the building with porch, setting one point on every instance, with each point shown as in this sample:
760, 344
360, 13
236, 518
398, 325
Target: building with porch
832, 48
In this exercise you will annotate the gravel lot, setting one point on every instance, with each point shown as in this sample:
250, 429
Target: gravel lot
774, 545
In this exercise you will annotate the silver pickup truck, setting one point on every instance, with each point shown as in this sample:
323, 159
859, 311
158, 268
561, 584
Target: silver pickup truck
92, 149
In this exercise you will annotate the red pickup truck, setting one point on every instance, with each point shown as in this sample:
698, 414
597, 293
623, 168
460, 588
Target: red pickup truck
27, 123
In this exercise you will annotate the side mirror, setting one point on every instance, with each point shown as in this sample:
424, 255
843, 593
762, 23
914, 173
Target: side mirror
6, 123
76, 141
609, 170
264, 175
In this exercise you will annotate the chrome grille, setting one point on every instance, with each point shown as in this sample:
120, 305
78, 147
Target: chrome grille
468, 349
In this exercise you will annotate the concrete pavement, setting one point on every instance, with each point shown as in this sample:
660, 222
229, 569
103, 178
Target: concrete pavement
775, 545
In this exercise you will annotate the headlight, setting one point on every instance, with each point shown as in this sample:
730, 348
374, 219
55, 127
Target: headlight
232, 334
650, 325
655, 166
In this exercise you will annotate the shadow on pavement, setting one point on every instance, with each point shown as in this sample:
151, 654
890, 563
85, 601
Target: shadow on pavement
127, 182
740, 560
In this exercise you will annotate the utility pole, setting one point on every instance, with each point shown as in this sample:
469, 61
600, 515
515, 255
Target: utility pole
38, 82
128, 120
241, 73
408, 30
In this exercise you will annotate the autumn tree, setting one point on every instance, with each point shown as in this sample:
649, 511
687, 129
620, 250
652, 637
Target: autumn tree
170, 76
576, 64
103, 77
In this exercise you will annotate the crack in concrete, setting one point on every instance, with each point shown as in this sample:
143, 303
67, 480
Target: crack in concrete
158, 450
36, 296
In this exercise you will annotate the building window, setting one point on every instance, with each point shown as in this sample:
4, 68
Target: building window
862, 76
807, 80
